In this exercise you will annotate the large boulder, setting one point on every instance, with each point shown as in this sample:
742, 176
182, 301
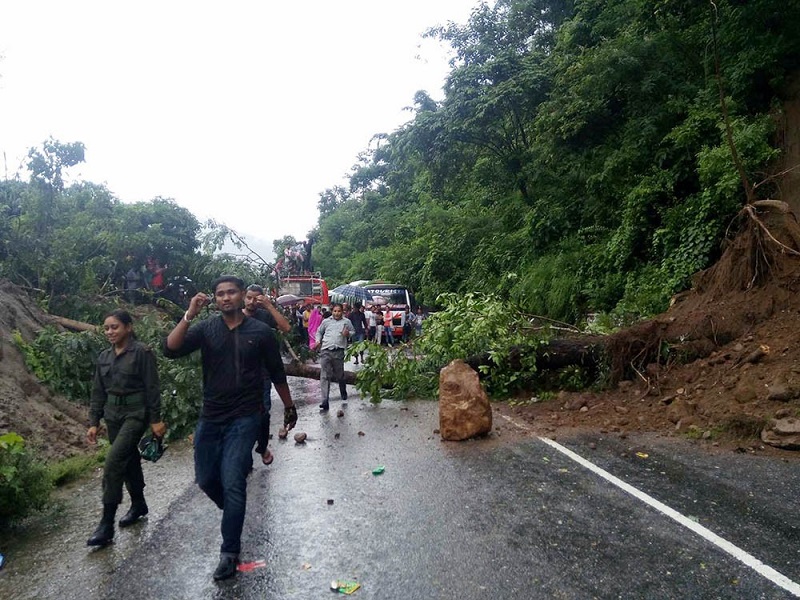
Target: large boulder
464, 409
782, 433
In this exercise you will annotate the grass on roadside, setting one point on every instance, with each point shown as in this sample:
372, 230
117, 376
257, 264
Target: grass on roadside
75, 467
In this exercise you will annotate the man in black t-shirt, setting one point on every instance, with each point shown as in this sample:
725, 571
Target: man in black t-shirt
235, 351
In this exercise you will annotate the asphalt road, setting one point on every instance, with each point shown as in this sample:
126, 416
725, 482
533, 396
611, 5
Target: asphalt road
509, 516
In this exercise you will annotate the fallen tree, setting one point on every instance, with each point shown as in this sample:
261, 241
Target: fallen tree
586, 352
71, 324
298, 369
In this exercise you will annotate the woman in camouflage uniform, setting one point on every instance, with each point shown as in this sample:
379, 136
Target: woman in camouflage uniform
126, 395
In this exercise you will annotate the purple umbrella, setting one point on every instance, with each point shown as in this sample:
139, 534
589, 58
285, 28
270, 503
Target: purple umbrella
288, 299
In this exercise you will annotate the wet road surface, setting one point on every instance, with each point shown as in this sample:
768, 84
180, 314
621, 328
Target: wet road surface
503, 517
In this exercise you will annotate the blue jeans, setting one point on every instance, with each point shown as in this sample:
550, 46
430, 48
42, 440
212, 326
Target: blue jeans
223, 457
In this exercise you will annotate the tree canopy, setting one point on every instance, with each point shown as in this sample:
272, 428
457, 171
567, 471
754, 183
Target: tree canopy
578, 161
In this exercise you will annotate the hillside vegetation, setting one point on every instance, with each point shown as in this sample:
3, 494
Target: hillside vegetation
578, 162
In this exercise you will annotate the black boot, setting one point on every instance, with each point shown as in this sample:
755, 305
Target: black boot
137, 510
226, 568
104, 534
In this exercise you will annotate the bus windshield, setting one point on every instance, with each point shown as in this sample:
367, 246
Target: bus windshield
394, 294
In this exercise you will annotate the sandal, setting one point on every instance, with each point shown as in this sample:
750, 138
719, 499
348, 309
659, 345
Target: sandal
267, 457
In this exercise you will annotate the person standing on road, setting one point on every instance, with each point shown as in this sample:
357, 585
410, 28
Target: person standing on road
259, 307
306, 318
127, 396
359, 321
376, 311
420, 317
370, 315
332, 337
314, 320
298, 316
388, 327
234, 349
408, 324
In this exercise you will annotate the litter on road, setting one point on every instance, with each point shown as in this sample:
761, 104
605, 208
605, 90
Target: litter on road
250, 566
378, 470
344, 587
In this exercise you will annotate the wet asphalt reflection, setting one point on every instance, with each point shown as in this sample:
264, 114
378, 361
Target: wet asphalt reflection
501, 517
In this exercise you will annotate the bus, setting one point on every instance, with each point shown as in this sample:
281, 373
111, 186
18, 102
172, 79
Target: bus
398, 299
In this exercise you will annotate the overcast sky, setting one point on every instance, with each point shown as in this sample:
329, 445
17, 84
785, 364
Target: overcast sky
242, 111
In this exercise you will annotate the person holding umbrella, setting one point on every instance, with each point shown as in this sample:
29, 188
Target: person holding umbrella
351, 293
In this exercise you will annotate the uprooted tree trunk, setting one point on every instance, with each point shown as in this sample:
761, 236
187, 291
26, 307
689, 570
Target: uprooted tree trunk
71, 324
718, 309
586, 352
298, 369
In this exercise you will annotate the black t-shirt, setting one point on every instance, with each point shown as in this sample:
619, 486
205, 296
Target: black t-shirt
265, 316
233, 360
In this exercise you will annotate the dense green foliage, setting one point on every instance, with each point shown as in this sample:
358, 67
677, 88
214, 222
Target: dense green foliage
470, 324
63, 362
73, 245
24, 482
577, 162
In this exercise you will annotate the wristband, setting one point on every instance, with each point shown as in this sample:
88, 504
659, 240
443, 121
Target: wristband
186, 317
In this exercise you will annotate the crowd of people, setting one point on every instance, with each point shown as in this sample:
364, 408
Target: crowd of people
241, 361
373, 322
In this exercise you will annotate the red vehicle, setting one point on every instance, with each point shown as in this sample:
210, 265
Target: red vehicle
311, 288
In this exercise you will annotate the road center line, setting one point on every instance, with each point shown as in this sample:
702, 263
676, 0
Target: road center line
748, 559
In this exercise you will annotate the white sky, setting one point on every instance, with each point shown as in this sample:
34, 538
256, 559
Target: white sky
242, 111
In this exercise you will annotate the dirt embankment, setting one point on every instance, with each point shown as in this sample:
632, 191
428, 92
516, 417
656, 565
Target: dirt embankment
51, 424
722, 365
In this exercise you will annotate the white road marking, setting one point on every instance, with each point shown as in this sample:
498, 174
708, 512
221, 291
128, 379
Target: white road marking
748, 559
